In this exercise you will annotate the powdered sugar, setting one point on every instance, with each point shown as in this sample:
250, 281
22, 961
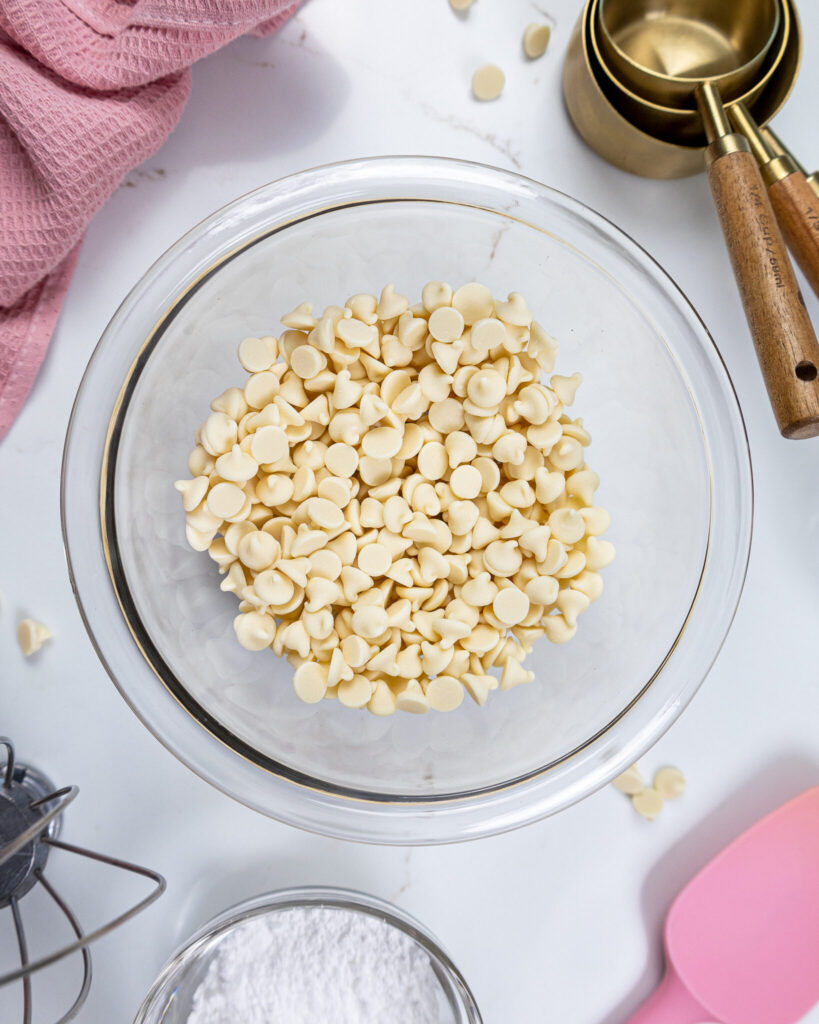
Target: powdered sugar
313, 964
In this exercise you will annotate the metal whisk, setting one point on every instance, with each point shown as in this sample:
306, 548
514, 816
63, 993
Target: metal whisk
30, 819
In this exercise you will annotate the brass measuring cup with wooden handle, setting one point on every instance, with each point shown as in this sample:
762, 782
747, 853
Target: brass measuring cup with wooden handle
784, 338
795, 203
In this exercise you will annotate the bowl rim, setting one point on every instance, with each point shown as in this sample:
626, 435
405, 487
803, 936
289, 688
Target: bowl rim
335, 897
386, 829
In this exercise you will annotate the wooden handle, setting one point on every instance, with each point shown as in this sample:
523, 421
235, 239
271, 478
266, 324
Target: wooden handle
783, 335
796, 206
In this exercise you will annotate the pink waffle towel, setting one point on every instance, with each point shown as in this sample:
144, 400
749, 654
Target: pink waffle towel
88, 89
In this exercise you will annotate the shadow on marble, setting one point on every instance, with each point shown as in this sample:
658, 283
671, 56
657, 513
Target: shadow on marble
262, 97
322, 863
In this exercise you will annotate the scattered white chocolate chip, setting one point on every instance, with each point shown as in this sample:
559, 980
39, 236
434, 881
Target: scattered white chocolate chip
488, 82
536, 38
399, 500
461, 5
669, 783
647, 803
31, 635
630, 781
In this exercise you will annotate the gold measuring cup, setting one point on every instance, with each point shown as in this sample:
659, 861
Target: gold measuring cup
784, 339
608, 132
663, 49
681, 121
630, 144
793, 199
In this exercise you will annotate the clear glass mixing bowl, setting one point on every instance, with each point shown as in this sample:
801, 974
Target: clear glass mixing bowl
171, 998
668, 442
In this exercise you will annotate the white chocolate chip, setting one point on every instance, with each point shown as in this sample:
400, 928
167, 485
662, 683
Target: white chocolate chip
486, 389
31, 635
488, 82
599, 553
514, 674
433, 461
444, 693
254, 630
630, 781
536, 38
567, 525
446, 416
465, 482
446, 324
437, 293
218, 433
225, 500
236, 466
567, 454
374, 559
274, 588
232, 401
412, 698
503, 558
669, 783
261, 389
301, 318
390, 304
341, 459
647, 803
510, 606
566, 387
557, 629
192, 491
269, 444
258, 550
542, 590
355, 692
596, 520
474, 302
382, 443
514, 311
310, 682
257, 354
370, 622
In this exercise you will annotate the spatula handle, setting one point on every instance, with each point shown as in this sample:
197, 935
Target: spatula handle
671, 1003
783, 335
796, 206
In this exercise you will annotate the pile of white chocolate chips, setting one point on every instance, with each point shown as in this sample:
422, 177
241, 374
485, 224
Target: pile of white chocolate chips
398, 501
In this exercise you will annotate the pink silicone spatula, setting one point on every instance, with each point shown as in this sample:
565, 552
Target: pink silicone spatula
742, 939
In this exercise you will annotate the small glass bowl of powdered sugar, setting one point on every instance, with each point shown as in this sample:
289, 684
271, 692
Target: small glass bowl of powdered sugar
308, 956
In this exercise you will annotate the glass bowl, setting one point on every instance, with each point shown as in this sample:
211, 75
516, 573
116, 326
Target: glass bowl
171, 997
668, 442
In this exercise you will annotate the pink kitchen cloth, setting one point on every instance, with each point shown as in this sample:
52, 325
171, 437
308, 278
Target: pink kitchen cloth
88, 89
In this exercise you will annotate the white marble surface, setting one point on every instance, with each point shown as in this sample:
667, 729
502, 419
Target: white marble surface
560, 921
